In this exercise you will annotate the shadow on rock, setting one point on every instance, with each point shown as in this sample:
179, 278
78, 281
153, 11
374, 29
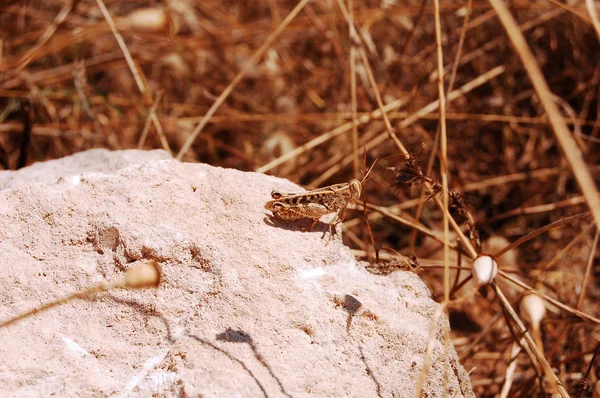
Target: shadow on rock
351, 305
239, 336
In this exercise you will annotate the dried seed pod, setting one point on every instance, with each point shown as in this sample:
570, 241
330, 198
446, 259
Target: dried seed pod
145, 275
146, 20
533, 309
485, 269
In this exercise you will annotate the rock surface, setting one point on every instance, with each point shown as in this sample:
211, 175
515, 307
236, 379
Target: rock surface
247, 306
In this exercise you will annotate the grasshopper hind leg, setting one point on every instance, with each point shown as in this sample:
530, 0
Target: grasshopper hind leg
337, 219
312, 225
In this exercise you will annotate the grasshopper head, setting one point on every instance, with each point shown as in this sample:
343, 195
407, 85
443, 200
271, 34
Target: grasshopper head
355, 189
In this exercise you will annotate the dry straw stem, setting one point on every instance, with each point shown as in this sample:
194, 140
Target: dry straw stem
430, 346
249, 64
123, 47
531, 346
446, 214
584, 232
540, 231
411, 224
563, 135
476, 340
134, 72
591, 7
461, 40
443, 146
484, 184
588, 271
353, 37
571, 9
505, 179
365, 61
510, 370
492, 44
392, 115
138, 277
149, 120
537, 209
48, 33
376, 114
549, 299
355, 40
431, 107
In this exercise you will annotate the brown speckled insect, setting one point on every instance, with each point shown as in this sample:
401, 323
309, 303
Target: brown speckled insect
316, 203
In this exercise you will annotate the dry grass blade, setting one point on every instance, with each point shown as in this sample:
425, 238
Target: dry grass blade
570, 149
477, 82
135, 72
588, 270
443, 171
149, 120
435, 319
540, 231
510, 370
123, 46
240, 75
549, 299
353, 34
443, 147
50, 30
508, 178
411, 224
538, 209
138, 277
431, 107
584, 232
591, 7
531, 343
365, 61
432, 157
329, 135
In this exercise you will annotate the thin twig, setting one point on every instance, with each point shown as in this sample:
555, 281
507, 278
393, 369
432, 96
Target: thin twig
549, 299
478, 81
373, 83
134, 71
563, 135
532, 346
241, 74
353, 38
123, 46
588, 270
430, 346
591, 7
540, 231
461, 40
48, 33
431, 107
149, 120
443, 145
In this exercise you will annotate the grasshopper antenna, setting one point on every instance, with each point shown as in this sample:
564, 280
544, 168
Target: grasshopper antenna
365, 179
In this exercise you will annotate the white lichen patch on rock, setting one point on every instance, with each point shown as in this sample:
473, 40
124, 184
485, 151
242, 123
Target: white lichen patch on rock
248, 305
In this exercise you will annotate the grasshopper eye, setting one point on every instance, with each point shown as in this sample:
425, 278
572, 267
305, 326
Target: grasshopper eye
355, 189
276, 194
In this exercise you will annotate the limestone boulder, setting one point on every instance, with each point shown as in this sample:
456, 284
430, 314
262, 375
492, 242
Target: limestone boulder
248, 306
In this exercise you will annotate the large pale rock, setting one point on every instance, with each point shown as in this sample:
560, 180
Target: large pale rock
247, 306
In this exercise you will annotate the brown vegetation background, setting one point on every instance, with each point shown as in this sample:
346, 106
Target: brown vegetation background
76, 75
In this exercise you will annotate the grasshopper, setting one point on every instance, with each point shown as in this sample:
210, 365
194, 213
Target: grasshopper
316, 203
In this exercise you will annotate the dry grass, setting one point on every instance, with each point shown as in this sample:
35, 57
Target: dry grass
254, 86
